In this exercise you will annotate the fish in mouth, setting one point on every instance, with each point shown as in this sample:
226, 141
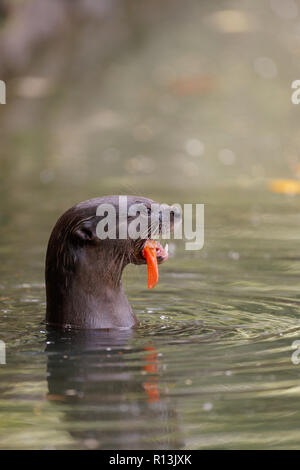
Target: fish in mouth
151, 252
154, 254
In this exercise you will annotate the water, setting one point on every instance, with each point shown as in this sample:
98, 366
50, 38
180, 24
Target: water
210, 364
208, 367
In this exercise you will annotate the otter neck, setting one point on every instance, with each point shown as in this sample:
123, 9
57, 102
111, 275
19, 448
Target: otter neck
91, 297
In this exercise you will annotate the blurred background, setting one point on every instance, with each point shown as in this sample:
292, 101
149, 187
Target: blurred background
181, 102
145, 95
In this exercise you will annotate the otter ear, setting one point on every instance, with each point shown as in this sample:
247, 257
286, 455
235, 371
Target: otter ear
86, 231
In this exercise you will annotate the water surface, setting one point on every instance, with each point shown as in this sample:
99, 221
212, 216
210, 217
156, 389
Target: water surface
208, 367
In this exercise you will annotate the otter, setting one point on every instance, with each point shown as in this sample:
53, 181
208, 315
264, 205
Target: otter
83, 273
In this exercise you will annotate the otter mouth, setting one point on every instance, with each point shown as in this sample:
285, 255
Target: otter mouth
151, 252
154, 254
162, 253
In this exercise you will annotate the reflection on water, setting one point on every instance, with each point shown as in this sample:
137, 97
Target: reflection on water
110, 381
198, 111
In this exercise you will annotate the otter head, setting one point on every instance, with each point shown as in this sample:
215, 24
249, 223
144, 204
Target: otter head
83, 270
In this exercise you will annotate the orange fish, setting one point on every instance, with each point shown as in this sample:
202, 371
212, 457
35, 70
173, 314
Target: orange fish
154, 253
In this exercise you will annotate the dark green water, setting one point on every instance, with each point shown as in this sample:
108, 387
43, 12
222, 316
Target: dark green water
210, 365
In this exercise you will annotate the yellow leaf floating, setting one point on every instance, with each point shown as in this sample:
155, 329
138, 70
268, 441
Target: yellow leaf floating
283, 186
